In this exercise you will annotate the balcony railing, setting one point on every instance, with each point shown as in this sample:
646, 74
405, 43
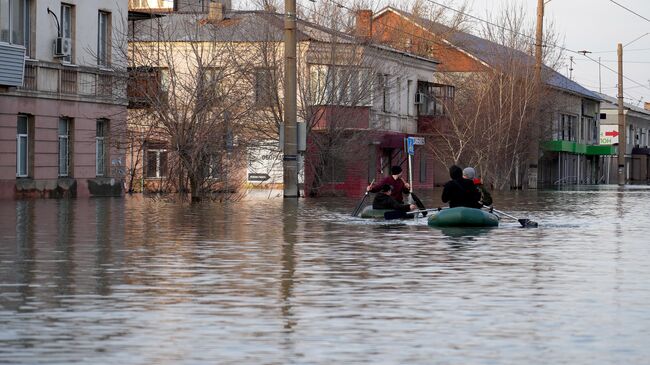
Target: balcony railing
47, 78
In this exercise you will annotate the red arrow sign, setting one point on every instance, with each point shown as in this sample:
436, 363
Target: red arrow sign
611, 134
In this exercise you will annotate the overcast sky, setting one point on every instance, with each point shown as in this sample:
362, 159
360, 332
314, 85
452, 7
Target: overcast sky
597, 26
591, 25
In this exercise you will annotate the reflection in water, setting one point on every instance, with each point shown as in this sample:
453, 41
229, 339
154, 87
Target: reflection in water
141, 281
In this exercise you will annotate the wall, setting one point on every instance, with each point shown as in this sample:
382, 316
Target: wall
85, 32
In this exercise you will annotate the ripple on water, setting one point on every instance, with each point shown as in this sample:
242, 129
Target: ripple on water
140, 281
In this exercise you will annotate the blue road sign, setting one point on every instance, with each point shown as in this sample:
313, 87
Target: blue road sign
410, 145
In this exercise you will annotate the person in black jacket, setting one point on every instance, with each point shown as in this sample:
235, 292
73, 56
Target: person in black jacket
384, 200
460, 192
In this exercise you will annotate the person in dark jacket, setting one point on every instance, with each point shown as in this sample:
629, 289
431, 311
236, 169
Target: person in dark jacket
399, 187
460, 192
486, 197
384, 200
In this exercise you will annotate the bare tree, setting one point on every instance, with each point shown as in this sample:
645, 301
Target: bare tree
188, 83
491, 120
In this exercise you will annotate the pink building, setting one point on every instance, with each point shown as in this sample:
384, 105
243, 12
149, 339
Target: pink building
62, 103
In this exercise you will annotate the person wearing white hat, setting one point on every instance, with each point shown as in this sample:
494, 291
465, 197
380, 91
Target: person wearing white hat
470, 174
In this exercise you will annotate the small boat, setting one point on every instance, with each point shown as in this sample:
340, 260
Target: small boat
463, 217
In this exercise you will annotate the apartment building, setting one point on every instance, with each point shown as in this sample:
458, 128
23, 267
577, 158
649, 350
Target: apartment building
62, 97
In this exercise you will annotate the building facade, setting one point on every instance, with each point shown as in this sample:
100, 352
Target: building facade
637, 140
62, 102
565, 149
357, 100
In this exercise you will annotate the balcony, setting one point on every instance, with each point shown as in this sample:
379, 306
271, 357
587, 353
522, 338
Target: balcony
54, 80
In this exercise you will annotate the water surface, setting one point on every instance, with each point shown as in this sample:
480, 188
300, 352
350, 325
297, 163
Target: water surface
272, 281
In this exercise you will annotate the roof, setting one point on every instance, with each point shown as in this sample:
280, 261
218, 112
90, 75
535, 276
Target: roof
492, 53
246, 26
611, 103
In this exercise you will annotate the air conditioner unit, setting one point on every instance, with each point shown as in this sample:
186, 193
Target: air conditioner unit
62, 47
419, 98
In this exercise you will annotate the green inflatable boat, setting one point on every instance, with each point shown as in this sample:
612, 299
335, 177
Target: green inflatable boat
463, 217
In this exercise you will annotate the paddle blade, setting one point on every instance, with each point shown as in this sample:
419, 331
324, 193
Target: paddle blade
419, 204
527, 223
394, 214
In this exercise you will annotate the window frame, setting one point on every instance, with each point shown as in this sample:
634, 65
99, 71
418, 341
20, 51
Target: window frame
25, 138
101, 128
25, 29
68, 19
263, 100
63, 169
104, 45
160, 174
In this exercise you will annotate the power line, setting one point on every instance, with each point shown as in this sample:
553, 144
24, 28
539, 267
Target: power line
631, 11
616, 72
506, 29
627, 50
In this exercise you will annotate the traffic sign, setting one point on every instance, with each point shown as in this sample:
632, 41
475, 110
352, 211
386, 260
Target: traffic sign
410, 146
258, 177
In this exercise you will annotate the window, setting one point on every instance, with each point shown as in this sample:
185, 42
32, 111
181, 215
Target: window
215, 167
630, 134
64, 146
156, 163
565, 128
263, 87
15, 22
103, 38
409, 97
67, 27
22, 147
434, 99
100, 147
384, 92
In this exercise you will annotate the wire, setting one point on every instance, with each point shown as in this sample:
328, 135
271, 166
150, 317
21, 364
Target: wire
631, 11
507, 29
616, 72
627, 50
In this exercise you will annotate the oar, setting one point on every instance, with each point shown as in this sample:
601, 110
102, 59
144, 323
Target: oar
365, 195
418, 202
396, 214
525, 222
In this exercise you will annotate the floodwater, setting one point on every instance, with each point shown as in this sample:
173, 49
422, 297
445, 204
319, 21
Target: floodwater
270, 281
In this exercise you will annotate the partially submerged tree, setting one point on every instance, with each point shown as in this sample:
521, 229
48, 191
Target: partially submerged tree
187, 83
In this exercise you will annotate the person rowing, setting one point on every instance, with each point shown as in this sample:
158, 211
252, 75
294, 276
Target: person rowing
398, 186
460, 192
385, 200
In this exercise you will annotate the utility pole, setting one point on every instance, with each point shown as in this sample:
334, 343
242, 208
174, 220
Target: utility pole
600, 84
536, 130
622, 141
290, 159
539, 34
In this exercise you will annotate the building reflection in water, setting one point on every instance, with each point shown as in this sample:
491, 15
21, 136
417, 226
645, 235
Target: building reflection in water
60, 249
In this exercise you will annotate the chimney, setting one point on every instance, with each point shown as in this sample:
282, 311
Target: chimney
364, 24
646, 105
216, 11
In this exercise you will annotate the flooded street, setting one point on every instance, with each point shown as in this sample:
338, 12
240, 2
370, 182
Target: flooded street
271, 281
